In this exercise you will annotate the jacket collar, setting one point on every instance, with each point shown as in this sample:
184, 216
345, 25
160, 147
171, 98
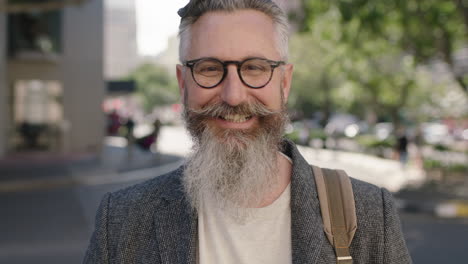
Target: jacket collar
176, 223
306, 221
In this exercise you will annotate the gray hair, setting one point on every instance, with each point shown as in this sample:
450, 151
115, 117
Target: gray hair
196, 8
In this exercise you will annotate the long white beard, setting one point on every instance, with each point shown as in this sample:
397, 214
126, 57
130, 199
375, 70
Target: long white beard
234, 170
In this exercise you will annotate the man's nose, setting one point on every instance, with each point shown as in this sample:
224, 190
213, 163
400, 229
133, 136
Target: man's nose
234, 92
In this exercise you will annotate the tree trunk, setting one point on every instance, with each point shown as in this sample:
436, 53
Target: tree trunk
327, 103
447, 52
463, 8
463, 84
395, 119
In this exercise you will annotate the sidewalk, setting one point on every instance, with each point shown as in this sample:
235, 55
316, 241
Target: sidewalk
412, 189
116, 163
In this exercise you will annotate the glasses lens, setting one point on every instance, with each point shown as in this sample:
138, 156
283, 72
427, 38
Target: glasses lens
256, 72
208, 72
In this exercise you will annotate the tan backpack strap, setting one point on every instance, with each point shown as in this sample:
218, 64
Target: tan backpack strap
338, 210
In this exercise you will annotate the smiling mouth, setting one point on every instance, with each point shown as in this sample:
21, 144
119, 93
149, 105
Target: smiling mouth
235, 118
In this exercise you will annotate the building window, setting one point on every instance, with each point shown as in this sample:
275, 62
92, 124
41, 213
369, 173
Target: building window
37, 115
34, 31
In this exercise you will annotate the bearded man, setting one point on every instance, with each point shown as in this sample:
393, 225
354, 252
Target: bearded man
245, 194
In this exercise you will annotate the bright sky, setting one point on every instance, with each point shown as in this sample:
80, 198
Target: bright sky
157, 20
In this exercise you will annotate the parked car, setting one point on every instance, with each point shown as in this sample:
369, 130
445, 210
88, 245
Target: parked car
383, 130
345, 124
436, 133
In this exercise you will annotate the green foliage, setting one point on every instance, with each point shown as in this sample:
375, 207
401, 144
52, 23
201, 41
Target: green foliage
371, 142
375, 146
424, 29
293, 136
313, 134
317, 134
430, 164
318, 78
155, 86
368, 56
441, 147
460, 168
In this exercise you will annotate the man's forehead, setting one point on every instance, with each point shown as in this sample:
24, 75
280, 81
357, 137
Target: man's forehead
241, 33
236, 16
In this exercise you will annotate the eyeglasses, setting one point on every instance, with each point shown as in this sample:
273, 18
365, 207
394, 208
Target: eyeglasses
253, 72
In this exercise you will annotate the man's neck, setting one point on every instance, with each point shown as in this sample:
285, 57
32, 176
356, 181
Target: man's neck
284, 178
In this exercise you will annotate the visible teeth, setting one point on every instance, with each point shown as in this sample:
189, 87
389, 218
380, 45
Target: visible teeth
236, 118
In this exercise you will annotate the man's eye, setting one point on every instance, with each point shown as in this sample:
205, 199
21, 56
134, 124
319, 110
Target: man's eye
254, 67
209, 69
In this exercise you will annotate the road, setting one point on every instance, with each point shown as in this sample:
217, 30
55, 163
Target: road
431, 240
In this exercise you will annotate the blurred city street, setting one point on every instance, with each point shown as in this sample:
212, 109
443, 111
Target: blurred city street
49, 218
90, 102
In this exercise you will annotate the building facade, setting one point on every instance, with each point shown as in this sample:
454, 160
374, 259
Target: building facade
3, 87
120, 39
51, 80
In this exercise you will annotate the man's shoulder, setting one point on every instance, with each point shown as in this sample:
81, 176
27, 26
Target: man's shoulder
362, 188
152, 191
124, 219
370, 200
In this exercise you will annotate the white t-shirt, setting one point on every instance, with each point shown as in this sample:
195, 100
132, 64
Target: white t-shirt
264, 238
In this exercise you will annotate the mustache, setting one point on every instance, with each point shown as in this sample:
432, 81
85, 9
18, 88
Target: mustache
221, 109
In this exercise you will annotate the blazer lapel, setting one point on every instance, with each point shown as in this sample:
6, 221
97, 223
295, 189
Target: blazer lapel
176, 228
306, 222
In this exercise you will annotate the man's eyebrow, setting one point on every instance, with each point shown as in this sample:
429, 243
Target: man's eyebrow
254, 57
241, 59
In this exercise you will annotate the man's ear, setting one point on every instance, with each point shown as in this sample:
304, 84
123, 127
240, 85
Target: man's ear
287, 80
181, 80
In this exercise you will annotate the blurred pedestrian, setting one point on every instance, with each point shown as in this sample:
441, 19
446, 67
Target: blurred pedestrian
418, 142
149, 142
130, 125
401, 147
113, 123
156, 129
245, 194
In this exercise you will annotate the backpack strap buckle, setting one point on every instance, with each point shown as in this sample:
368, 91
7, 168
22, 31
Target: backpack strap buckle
344, 260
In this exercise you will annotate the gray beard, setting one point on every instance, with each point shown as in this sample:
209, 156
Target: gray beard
234, 169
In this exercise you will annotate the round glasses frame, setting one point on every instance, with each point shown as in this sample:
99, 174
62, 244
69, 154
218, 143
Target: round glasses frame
274, 64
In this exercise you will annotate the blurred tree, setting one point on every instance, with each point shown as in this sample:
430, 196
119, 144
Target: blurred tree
425, 29
317, 76
155, 86
373, 79
385, 79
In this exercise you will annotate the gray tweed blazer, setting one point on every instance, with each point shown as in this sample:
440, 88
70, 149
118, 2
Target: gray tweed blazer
152, 223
